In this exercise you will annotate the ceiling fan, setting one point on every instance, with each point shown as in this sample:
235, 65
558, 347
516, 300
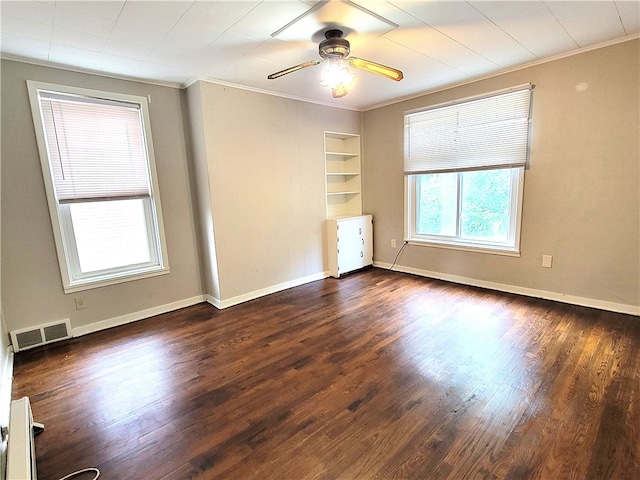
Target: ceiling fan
335, 48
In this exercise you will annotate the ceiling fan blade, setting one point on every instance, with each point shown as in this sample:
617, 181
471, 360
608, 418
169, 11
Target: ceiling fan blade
310, 63
374, 67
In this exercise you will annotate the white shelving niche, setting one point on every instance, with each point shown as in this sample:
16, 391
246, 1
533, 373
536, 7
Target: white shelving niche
349, 232
343, 174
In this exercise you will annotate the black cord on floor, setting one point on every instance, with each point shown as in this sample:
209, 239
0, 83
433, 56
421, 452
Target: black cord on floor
397, 255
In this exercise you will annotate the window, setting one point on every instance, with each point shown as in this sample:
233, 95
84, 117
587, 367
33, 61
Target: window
464, 172
98, 166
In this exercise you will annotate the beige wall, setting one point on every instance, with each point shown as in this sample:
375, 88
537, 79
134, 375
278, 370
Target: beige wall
201, 192
258, 165
581, 192
32, 291
260, 173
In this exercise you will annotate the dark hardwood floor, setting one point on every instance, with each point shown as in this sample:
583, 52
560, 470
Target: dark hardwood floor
376, 375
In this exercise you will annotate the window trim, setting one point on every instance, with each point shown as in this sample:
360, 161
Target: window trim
456, 243
72, 279
441, 145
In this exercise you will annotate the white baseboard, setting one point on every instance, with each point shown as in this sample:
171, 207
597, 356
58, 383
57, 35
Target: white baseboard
212, 300
150, 312
528, 292
135, 316
222, 304
245, 297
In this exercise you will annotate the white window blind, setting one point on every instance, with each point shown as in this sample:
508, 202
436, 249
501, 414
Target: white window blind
489, 132
97, 148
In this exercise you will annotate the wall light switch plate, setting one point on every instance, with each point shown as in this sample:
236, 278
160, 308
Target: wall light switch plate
547, 261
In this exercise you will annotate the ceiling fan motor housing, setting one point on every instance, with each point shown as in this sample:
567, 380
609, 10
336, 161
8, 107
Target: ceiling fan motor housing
334, 46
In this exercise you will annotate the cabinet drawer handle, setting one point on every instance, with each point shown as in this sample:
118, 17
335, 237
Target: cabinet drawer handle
363, 241
360, 231
361, 254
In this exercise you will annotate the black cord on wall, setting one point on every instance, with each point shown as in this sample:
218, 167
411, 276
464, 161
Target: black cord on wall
398, 254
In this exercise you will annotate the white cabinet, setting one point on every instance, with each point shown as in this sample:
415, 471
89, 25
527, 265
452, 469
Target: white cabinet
350, 242
342, 174
349, 232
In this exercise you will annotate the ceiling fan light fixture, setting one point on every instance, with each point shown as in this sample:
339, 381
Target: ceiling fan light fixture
335, 51
337, 78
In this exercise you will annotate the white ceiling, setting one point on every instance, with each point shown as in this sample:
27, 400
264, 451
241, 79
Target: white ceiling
435, 43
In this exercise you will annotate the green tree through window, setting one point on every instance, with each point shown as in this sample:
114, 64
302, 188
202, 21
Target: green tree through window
485, 204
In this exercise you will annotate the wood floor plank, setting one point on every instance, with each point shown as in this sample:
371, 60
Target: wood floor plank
377, 375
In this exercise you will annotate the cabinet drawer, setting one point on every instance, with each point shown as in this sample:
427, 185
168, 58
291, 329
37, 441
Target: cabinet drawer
350, 244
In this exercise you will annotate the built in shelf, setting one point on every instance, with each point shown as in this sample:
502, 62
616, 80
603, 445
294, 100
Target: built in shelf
345, 223
343, 193
341, 154
343, 174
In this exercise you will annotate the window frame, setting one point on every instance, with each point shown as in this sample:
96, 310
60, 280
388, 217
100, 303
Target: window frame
511, 247
443, 157
73, 279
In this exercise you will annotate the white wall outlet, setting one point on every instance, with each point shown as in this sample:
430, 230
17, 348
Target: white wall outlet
80, 303
393, 243
547, 261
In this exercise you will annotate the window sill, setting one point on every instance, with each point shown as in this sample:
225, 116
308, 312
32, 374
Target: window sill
106, 280
505, 251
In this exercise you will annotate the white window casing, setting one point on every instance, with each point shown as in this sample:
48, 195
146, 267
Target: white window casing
508, 247
486, 132
96, 152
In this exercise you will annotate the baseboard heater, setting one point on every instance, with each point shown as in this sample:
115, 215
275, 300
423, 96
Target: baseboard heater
21, 450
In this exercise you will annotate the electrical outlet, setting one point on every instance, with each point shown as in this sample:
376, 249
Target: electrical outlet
80, 303
547, 260
393, 243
